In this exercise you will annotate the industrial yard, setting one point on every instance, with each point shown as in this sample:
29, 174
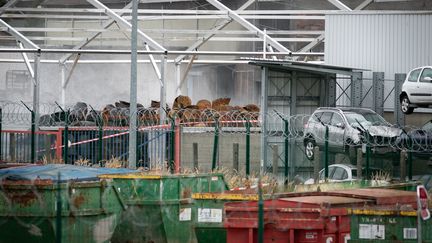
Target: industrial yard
215, 121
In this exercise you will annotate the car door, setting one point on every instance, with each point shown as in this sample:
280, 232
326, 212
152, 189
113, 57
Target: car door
337, 132
424, 90
411, 86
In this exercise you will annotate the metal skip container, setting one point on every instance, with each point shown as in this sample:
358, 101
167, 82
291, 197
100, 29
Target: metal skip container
160, 208
30, 198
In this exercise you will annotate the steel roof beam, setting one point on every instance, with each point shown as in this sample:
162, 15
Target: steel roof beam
125, 24
18, 36
364, 4
248, 25
91, 38
340, 5
215, 29
26, 61
7, 5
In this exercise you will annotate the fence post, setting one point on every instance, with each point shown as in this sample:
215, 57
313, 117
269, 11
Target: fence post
66, 138
59, 212
195, 156
33, 134
260, 213
172, 138
368, 152
100, 142
177, 152
359, 163
399, 116
326, 151
33, 137
247, 148
215, 143
410, 157
58, 143
286, 150
403, 165
275, 159
317, 163
236, 156
1, 133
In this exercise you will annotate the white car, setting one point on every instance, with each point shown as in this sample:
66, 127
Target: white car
341, 173
416, 90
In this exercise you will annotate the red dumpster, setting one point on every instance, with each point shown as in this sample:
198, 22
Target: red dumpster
311, 217
383, 197
298, 219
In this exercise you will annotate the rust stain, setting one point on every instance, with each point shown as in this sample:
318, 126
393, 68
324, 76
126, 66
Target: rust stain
25, 198
37, 182
186, 193
77, 201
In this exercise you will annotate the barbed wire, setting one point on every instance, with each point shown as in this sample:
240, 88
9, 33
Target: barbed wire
224, 122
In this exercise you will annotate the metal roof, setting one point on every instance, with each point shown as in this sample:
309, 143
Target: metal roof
304, 66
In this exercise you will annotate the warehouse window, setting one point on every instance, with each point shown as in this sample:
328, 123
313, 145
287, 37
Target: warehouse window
413, 76
18, 80
427, 72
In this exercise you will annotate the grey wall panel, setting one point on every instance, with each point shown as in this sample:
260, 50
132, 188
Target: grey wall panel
390, 43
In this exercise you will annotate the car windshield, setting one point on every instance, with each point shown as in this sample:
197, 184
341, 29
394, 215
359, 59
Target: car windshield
366, 119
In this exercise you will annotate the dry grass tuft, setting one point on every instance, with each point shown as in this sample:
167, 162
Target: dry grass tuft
236, 179
83, 162
51, 160
114, 163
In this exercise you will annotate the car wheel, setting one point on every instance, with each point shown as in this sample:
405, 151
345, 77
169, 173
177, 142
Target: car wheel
405, 105
310, 149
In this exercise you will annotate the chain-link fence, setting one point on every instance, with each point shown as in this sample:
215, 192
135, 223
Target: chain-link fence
206, 139
152, 205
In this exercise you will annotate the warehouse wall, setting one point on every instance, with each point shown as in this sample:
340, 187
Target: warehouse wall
389, 43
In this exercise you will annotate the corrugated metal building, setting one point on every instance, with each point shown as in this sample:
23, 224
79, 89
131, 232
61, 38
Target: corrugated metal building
393, 42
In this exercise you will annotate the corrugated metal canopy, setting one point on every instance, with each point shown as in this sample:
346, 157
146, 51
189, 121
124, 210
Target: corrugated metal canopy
304, 66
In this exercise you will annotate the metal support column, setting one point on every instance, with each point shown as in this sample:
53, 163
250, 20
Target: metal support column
356, 89
293, 111
177, 77
399, 115
264, 111
331, 90
63, 85
163, 90
36, 89
248, 125
133, 89
378, 92
162, 109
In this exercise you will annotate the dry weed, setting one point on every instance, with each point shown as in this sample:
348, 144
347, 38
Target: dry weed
51, 160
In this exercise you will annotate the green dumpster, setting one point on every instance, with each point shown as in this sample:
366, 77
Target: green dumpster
89, 211
379, 225
159, 207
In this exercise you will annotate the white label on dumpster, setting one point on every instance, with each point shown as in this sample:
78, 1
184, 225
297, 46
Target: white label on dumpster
209, 215
410, 233
185, 214
214, 178
372, 231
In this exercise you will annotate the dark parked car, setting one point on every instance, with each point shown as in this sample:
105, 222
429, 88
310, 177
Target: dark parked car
418, 140
347, 130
